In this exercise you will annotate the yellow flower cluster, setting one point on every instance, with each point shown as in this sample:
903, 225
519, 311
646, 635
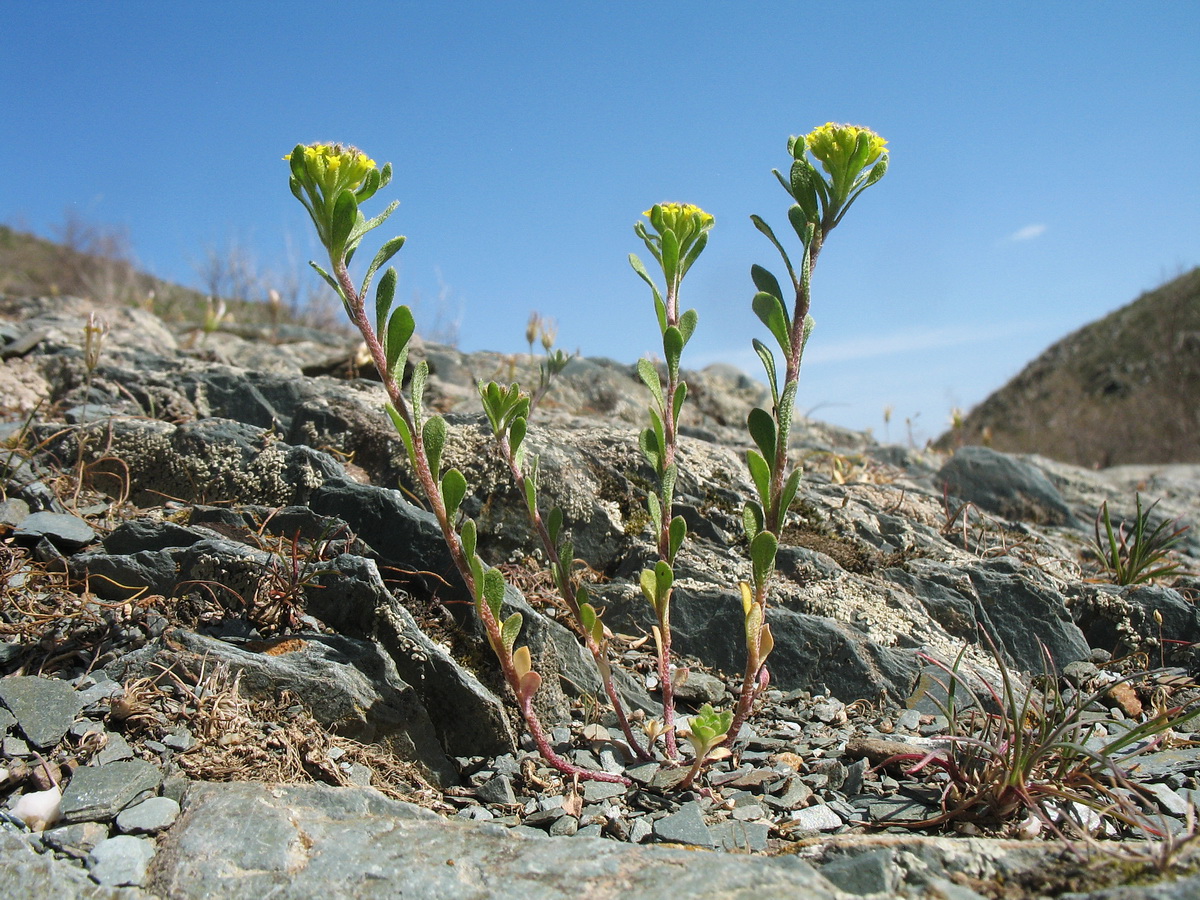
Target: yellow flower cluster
335, 168
835, 145
675, 214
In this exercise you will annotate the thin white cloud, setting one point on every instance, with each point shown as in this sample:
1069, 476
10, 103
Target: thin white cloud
1028, 233
876, 346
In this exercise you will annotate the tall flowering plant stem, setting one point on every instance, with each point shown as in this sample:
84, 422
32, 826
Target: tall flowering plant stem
331, 180
851, 159
675, 234
508, 410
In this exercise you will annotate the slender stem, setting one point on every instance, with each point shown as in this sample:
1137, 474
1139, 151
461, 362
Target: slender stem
358, 315
599, 654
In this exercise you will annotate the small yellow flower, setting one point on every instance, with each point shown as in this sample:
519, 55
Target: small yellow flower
835, 145
675, 214
333, 168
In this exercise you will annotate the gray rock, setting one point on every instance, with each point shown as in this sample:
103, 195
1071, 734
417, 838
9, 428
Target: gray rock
66, 532
595, 791
76, 840
701, 688
741, 837
873, 872
13, 512
686, 826
497, 790
98, 793
44, 707
243, 841
148, 817
816, 818
25, 873
349, 686
121, 860
1005, 485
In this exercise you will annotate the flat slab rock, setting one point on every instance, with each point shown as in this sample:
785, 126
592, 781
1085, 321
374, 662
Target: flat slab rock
248, 840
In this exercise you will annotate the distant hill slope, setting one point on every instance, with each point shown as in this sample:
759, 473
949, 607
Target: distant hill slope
1124, 389
96, 263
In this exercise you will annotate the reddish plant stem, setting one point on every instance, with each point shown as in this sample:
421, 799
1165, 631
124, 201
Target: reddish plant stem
358, 315
599, 655
754, 678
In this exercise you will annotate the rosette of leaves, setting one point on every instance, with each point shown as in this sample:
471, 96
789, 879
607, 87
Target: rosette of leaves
705, 731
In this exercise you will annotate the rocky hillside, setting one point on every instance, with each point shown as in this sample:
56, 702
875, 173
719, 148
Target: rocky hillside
235, 659
1124, 389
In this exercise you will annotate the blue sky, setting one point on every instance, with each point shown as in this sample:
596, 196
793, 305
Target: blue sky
1043, 162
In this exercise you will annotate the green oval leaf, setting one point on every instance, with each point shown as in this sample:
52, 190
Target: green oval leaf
771, 313
687, 325
672, 348
677, 534
762, 556
454, 488
510, 630
766, 282
493, 591
468, 535
762, 430
760, 474
433, 437
649, 375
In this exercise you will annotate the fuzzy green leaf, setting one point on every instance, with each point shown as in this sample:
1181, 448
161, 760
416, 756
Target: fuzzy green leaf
659, 306
760, 473
329, 280
804, 191
762, 430
454, 488
687, 324
433, 437
468, 535
385, 293
516, 434
420, 377
766, 282
677, 403
649, 375
752, 519
766, 229
788, 495
531, 495
402, 429
654, 505
386, 252
785, 410
664, 577
672, 348
400, 329
762, 556
677, 534
670, 256
510, 630
768, 361
493, 590
554, 521
647, 582
648, 442
345, 215
771, 313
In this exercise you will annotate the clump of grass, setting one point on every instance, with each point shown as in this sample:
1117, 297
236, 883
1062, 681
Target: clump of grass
1036, 762
1138, 553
